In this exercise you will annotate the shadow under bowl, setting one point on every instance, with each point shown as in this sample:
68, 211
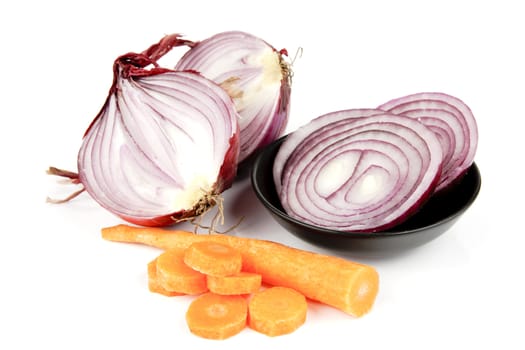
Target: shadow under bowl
433, 219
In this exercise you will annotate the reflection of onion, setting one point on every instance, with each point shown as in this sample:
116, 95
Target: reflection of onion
357, 170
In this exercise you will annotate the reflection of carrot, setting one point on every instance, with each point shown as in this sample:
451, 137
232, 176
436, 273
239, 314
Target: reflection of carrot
174, 275
349, 286
277, 311
216, 316
212, 258
153, 282
240, 283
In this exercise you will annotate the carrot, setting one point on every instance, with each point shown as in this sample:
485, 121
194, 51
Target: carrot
215, 316
277, 311
174, 275
240, 283
153, 282
346, 285
213, 258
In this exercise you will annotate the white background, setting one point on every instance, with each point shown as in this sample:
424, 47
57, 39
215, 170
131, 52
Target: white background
63, 287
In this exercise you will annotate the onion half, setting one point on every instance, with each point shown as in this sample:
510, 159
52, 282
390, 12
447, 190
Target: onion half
164, 145
452, 121
357, 170
255, 75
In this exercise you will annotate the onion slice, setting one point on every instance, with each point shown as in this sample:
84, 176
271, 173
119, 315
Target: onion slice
357, 170
452, 121
255, 75
164, 145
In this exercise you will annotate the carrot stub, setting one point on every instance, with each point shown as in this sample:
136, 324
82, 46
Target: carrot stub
215, 316
212, 258
277, 311
238, 284
174, 275
153, 282
349, 286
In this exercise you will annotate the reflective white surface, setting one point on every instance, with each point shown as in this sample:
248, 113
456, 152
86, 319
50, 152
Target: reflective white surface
63, 287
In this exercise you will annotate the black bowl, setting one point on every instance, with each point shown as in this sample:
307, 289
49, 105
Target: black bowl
434, 218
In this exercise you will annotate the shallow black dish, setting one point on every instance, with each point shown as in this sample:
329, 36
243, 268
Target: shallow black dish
434, 218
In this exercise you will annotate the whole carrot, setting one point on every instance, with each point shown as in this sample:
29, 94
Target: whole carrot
346, 285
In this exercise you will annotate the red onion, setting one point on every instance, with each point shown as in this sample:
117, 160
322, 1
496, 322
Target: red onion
357, 170
452, 121
255, 75
164, 145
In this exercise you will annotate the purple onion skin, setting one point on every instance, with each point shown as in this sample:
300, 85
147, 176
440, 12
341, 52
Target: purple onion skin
280, 120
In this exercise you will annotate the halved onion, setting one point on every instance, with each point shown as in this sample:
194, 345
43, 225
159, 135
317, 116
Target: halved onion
452, 121
255, 75
164, 145
357, 170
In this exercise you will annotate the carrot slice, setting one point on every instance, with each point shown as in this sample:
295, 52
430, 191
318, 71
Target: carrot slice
349, 286
212, 258
240, 283
215, 316
277, 311
153, 282
174, 275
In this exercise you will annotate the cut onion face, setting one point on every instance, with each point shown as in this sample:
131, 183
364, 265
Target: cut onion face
164, 145
308, 133
357, 170
452, 121
257, 78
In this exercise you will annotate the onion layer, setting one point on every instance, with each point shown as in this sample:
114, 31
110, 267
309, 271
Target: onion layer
255, 75
452, 121
357, 170
164, 145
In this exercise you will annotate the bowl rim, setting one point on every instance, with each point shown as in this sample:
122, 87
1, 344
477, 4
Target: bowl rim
348, 234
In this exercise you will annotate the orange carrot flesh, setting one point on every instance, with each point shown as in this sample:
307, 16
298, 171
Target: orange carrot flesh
238, 284
174, 275
212, 258
214, 316
349, 286
153, 282
277, 311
